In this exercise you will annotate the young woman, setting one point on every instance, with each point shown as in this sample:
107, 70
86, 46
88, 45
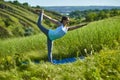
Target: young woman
57, 33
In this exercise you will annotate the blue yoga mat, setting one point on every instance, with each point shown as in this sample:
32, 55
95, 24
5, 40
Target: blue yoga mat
62, 61
67, 60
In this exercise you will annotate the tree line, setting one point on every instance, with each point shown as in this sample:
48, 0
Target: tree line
93, 15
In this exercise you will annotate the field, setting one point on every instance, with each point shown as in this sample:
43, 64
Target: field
99, 41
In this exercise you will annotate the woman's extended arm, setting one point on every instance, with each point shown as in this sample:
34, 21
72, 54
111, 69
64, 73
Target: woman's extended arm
52, 20
46, 16
77, 26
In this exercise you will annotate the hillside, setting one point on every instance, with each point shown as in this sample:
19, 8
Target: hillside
18, 20
25, 58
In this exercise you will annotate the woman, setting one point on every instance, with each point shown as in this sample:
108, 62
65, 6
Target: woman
59, 32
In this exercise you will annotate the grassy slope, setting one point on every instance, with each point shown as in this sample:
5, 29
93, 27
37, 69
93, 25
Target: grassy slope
16, 15
93, 37
101, 36
103, 65
13, 17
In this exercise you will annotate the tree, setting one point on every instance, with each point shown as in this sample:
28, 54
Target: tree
38, 6
91, 16
101, 15
115, 12
25, 4
16, 2
2, 0
75, 14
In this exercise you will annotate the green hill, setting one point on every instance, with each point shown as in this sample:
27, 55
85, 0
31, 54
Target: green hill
16, 20
94, 37
99, 41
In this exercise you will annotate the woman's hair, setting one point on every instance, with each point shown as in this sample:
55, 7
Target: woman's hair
64, 18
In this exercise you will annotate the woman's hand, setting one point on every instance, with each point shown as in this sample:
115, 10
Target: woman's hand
42, 11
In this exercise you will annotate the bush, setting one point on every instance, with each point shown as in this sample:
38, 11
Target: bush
4, 33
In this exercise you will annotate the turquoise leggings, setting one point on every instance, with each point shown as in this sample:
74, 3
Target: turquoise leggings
45, 31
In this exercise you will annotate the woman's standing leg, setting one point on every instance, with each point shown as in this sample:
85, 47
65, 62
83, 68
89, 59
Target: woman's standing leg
50, 45
45, 31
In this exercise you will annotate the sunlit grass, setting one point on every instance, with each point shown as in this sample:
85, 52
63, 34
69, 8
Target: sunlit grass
93, 37
100, 38
104, 65
19, 45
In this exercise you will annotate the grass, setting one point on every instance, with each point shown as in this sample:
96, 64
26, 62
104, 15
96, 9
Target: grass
99, 41
18, 17
94, 36
19, 45
102, 66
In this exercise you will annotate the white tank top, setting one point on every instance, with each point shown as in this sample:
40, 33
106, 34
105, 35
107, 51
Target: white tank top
58, 32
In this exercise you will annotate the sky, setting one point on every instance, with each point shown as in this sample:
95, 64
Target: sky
70, 2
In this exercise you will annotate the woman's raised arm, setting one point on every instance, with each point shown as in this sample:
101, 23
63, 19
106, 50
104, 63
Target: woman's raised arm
48, 17
52, 20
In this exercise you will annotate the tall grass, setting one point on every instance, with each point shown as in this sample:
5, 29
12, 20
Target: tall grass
93, 37
103, 66
20, 45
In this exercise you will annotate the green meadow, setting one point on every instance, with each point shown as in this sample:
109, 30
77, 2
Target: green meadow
99, 42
